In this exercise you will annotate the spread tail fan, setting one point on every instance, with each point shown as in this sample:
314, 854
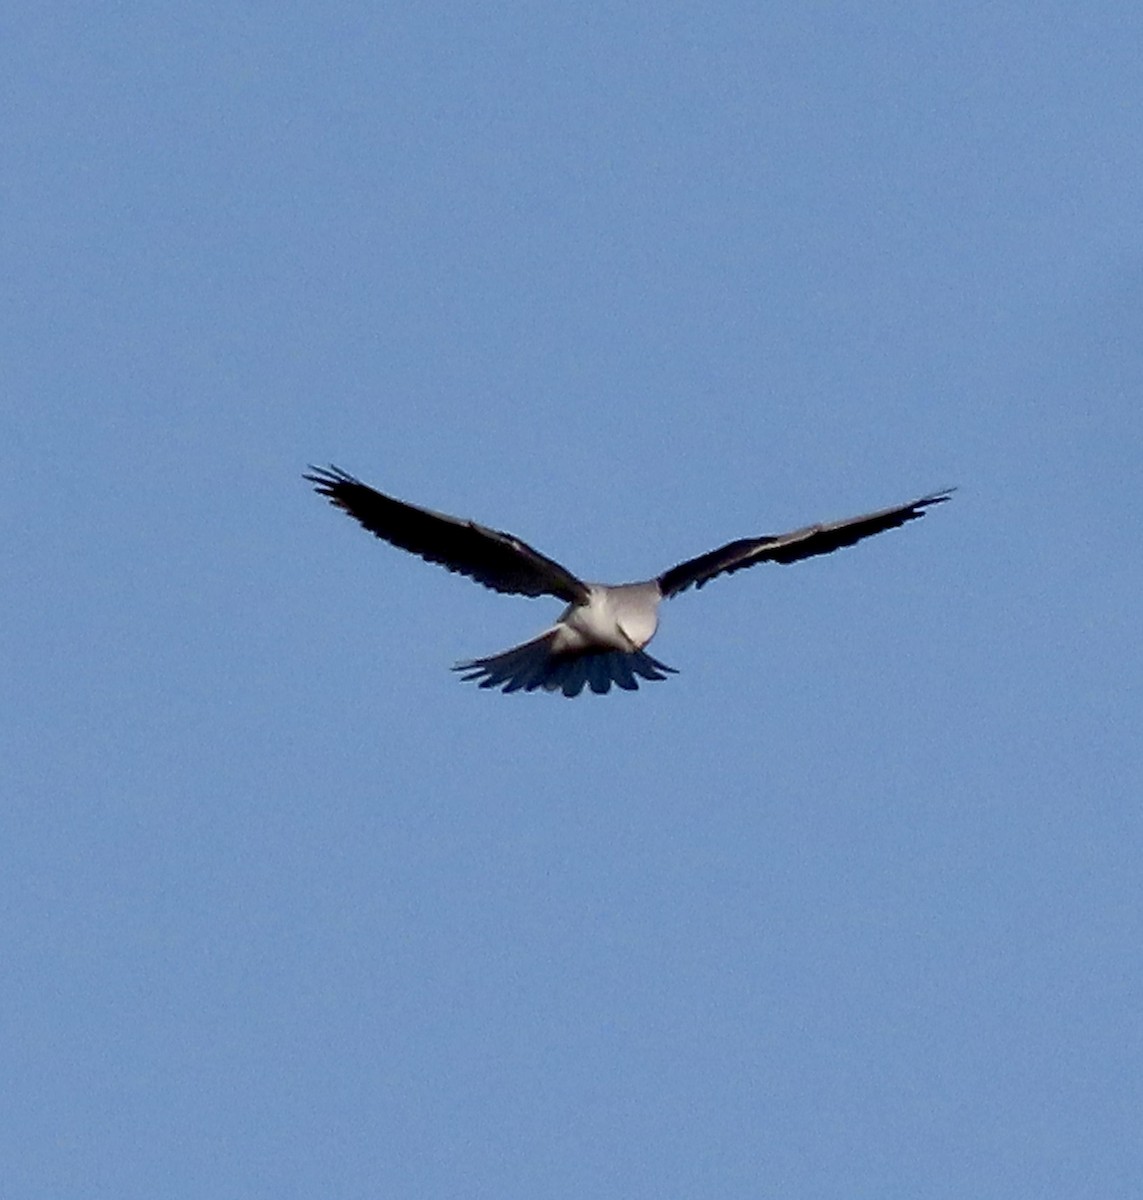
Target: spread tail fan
533, 665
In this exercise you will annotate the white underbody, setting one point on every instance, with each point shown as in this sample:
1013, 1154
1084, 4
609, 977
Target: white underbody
595, 644
616, 617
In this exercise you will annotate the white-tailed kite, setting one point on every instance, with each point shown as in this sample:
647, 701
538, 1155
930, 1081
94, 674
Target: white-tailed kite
599, 638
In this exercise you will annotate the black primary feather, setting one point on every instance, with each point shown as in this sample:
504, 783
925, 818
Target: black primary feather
790, 547
495, 559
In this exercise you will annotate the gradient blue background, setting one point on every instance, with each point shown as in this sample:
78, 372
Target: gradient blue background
850, 907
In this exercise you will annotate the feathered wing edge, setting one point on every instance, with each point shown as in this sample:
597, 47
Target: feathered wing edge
498, 560
791, 547
532, 665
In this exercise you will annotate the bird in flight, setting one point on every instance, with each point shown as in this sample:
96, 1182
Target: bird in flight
599, 638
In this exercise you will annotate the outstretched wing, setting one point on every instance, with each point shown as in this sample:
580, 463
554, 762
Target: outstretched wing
497, 560
790, 547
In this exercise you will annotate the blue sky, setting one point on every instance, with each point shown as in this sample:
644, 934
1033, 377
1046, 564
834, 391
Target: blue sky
849, 907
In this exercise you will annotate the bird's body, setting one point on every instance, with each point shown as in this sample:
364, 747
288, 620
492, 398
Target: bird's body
616, 616
600, 636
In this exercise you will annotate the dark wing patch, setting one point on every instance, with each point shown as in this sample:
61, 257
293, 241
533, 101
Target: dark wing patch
790, 547
497, 560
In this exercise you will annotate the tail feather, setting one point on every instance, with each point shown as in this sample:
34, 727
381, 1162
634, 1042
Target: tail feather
599, 674
512, 667
576, 676
523, 679
650, 668
533, 665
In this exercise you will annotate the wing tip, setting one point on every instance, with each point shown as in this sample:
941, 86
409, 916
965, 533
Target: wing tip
327, 480
937, 497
